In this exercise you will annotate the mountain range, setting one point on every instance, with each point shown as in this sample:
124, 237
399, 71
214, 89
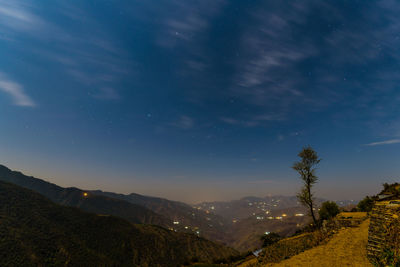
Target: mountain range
184, 217
35, 231
91, 203
249, 206
238, 223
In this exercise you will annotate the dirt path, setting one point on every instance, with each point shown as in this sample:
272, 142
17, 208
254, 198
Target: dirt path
346, 248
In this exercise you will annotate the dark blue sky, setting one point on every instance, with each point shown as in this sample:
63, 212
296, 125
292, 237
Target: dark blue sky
201, 100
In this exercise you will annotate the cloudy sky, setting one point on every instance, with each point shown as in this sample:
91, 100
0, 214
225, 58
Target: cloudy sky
201, 100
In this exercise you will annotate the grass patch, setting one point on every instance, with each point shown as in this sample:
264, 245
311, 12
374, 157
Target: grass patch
292, 246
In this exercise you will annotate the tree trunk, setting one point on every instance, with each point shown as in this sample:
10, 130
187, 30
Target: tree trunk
312, 214
311, 204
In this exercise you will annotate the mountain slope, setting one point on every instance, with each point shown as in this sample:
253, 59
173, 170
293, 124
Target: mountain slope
92, 203
37, 232
248, 206
190, 219
134, 207
247, 233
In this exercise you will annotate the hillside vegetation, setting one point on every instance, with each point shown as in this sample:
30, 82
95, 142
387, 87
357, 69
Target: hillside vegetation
133, 207
247, 233
209, 225
37, 232
92, 203
205, 220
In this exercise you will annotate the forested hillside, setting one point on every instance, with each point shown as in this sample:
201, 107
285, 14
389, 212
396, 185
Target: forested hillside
91, 203
37, 232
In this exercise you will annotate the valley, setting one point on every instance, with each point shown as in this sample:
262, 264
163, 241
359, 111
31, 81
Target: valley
199, 133
238, 224
37, 232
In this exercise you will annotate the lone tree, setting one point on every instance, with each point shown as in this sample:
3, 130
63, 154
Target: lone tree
306, 168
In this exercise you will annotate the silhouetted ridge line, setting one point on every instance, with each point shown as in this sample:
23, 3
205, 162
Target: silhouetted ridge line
92, 203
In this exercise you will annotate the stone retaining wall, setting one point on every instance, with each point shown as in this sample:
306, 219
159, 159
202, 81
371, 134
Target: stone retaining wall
350, 219
381, 216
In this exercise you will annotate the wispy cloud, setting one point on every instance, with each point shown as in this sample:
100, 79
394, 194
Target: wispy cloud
187, 21
14, 15
86, 55
387, 142
185, 25
184, 122
15, 91
107, 93
281, 65
252, 121
268, 69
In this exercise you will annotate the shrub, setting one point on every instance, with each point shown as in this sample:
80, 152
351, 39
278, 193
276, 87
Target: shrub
391, 188
328, 210
366, 204
269, 239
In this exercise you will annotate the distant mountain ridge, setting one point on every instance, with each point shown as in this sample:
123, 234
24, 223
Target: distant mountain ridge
133, 207
247, 206
91, 203
237, 223
37, 232
186, 218
252, 216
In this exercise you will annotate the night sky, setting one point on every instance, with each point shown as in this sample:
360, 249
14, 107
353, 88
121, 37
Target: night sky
201, 100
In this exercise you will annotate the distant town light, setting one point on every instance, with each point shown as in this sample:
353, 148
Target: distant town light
176, 222
267, 233
299, 214
85, 194
284, 215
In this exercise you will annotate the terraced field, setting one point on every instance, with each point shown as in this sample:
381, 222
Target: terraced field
346, 248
